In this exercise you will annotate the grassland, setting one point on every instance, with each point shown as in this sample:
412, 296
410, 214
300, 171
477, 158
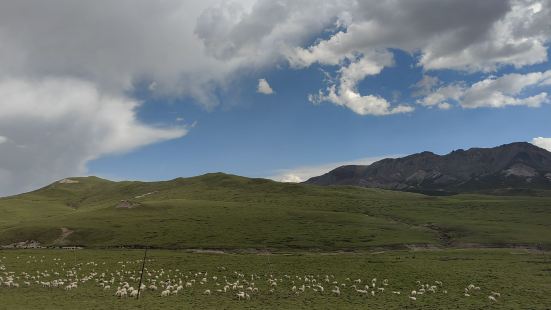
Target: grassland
267, 228
219, 211
523, 278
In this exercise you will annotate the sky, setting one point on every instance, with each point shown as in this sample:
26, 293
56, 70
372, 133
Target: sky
287, 89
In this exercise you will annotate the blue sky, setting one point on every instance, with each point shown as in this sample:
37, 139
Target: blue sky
154, 90
258, 135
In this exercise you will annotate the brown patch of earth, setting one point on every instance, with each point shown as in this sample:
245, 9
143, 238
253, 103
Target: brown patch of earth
65, 232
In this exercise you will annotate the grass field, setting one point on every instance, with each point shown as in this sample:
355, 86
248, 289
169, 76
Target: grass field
523, 279
230, 212
473, 244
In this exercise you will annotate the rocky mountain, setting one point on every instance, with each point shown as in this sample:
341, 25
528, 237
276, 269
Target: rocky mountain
509, 167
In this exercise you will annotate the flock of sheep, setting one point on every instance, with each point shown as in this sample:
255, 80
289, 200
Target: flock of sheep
124, 282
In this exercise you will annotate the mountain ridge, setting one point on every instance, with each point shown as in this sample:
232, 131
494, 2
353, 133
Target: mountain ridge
518, 165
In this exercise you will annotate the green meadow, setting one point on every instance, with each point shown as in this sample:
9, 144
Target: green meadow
521, 277
221, 230
218, 211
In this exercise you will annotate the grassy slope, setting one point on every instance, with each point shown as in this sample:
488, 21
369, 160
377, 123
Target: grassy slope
223, 211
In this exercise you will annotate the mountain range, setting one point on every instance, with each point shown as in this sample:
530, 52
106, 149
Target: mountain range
511, 167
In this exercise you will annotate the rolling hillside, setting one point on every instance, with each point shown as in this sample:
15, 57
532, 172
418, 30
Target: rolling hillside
219, 211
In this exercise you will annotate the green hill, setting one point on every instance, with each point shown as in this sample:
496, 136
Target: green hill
220, 211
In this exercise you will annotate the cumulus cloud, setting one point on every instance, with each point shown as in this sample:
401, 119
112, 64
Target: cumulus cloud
441, 96
504, 91
435, 28
112, 44
517, 37
264, 88
55, 126
303, 173
345, 91
258, 32
66, 69
544, 143
196, 48
425, 85
189, 48
459, 35
493, 92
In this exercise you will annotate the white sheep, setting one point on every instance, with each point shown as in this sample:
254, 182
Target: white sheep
362, 292
121, 293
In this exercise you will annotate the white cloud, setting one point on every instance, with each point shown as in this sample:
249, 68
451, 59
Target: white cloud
445, 106
98, 51
112, 44
303, 173
460, 35
292, 177
449, 34
57, 125
544, 143
425, 85
517, 38
257, 32
3, 139
264, 88
503, 91
493, 92
66, 68
345, 92
193, 47
442, 95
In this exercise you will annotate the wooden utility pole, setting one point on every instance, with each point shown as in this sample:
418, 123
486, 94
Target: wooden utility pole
141, 274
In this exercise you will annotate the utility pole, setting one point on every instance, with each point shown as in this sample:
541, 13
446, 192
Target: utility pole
141, 274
